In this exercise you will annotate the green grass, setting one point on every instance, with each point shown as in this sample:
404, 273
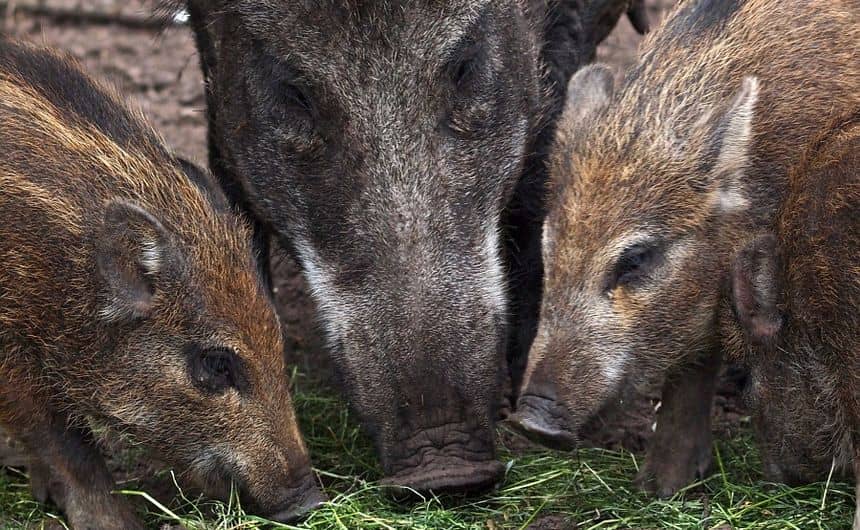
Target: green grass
592, 489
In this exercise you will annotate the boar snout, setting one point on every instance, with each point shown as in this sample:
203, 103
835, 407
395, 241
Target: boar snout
458, 476
448, 458
543, 418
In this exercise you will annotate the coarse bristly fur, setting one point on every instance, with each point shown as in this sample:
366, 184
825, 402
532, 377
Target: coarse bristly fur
398, 148
129, 296
654, 186
795, 315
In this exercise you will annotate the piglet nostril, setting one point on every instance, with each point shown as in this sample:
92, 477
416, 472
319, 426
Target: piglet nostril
543, 420
534, 429
539, 390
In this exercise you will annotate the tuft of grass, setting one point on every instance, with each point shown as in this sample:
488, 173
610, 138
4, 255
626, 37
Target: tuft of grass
591, 489
17, 507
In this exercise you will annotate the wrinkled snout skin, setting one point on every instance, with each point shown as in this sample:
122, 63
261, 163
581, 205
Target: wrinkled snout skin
382, 142
432, 407
134, 301
654, 185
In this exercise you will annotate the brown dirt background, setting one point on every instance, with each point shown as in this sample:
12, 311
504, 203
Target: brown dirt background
158, 71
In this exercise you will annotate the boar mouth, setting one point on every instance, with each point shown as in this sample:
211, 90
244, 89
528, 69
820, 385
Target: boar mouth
544, 421
456, 476
456, 457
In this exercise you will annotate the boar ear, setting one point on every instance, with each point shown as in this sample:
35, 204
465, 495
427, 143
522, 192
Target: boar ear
198, 10
731, 144
756, 288
638, 16
206, 183
588, 92
131, 251
201, 5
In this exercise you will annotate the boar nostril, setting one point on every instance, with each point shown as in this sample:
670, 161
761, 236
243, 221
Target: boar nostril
455, 477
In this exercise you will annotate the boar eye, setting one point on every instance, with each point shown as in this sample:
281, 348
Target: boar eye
280, 93
465, 67
471, 107
296, 98
215, 370
293, 107
634, 265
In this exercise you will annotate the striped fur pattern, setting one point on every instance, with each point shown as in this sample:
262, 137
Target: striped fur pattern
796, 294
119, 268
655, 184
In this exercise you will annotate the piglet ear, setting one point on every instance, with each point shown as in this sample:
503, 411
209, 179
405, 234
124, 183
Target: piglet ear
757, 286
734, 135
132, 251
730, 146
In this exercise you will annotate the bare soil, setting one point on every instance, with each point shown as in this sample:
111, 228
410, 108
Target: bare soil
159, 72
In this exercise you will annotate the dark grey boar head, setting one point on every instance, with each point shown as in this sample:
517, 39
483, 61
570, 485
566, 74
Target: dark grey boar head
381, 140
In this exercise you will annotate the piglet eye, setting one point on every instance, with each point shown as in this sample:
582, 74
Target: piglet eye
215, 370
634, 265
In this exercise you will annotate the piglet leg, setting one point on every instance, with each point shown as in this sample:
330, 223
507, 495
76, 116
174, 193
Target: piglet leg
681, 449
67, 468
857, 489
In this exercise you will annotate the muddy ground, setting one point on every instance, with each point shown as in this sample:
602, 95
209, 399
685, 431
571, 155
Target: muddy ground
158, 70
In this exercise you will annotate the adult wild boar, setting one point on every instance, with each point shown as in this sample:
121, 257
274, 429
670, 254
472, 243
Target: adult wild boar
385, 142
130, 297
654, 187
795, 316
